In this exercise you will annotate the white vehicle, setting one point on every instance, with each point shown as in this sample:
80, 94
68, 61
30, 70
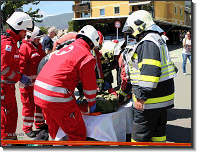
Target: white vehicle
113, 37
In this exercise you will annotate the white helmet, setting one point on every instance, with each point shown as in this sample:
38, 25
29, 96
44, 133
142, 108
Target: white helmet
138, 22
90, 32
21, 21
37, 33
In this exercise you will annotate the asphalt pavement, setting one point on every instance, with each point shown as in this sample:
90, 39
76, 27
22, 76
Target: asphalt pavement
179, 118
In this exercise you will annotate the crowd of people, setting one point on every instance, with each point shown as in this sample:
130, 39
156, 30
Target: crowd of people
48, 77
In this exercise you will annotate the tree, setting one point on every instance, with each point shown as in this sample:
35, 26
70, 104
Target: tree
9, 8
44, 29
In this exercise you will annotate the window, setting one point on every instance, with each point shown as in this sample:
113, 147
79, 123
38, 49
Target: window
133, 8
116, 10
180, 11
85, 14
102, 12
139, 7
175, 10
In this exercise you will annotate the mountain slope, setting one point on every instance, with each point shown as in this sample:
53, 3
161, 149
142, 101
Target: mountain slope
59, 21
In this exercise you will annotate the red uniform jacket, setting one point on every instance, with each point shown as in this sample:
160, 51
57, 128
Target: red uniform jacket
30, 57
59, 77
99, 71
10, 58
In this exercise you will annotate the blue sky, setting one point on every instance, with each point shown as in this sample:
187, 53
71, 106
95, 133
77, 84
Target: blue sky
50, 8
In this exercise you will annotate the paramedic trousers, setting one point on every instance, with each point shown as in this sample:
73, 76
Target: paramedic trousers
149, 125
9, 112
31, 113
64, 115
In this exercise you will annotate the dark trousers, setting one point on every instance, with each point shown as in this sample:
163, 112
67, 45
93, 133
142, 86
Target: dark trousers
149, 125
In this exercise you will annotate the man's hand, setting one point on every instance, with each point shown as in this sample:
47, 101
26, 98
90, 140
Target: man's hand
139, 104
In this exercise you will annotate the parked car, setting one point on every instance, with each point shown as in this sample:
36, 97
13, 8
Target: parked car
113, 37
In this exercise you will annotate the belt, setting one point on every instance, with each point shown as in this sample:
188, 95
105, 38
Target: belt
8, 82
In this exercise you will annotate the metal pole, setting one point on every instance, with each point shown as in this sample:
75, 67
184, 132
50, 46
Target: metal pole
117, 33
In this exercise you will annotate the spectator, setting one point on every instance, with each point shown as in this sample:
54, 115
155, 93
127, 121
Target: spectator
59, 34
47, 41
186, 51
165, 38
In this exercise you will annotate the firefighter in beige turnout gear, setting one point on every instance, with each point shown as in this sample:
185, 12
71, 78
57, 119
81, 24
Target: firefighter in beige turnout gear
151, 77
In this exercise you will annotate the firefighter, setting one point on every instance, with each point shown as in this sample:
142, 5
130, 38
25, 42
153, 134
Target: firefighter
152, 79
109, 63
31, 53
19, 23
125, 69
56, 82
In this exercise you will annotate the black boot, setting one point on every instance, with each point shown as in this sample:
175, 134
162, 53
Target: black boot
45, 127
31, 134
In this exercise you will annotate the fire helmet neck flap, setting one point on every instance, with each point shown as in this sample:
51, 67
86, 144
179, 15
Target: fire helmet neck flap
140, 21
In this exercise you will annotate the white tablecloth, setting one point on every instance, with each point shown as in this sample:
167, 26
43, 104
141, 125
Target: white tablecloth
108, 127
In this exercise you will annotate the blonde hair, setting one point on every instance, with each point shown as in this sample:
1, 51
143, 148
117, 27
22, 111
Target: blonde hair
52, 29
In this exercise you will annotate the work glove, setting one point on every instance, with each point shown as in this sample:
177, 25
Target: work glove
93, 108
107, 85
25, 80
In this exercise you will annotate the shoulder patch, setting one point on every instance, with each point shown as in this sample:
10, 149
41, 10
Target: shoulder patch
8, 48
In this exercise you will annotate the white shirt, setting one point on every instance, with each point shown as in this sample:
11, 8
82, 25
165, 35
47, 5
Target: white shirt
165, 38
188, 44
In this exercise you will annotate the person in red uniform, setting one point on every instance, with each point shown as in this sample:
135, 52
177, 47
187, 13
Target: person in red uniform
31, 53
19, 23
99, 71
54, 87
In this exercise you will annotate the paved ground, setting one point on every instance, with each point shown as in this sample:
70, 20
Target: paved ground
179, 118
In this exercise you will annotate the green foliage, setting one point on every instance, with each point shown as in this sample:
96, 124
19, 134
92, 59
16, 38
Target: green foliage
104, 28
44, 29
73, 26
9, 8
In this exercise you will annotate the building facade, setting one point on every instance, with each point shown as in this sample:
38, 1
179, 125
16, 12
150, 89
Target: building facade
163, 12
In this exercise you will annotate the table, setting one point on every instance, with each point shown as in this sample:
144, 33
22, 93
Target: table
108, 127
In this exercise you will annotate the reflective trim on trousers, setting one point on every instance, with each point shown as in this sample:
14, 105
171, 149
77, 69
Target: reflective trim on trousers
38, 114
28, 118
50, 87
159, 139
28, 123
91, 100
52, 99
39, 119
91, 92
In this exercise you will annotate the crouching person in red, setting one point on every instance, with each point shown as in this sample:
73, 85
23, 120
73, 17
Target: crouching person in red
56, 82
31, 53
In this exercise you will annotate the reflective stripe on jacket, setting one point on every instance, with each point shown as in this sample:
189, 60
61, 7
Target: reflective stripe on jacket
153, 72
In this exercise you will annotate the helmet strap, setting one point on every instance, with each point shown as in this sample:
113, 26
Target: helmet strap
88, 41
15, 31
